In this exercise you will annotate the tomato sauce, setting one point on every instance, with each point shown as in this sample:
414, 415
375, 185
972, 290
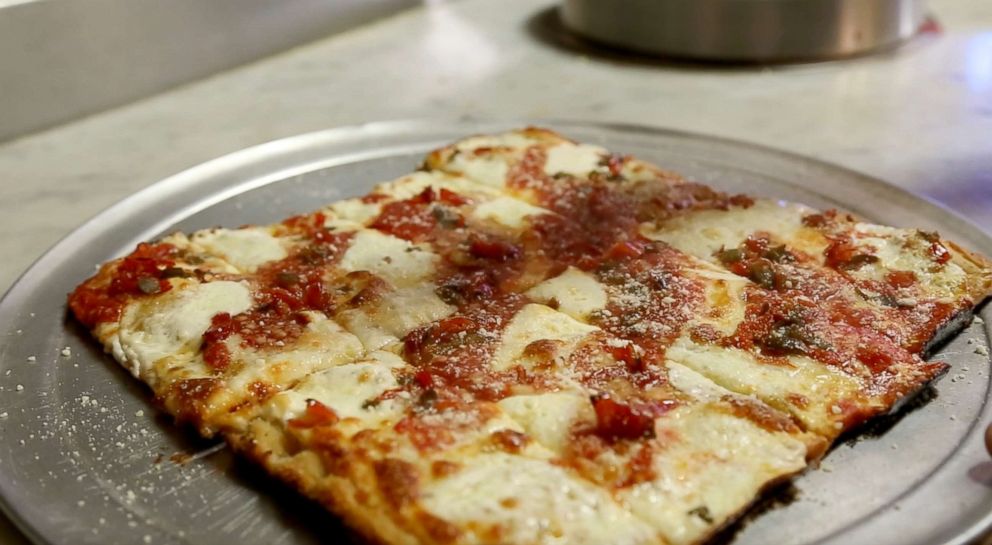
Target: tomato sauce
438, 425
145, 271
592, 226
798, 309
416, 218
283, 291
617, 420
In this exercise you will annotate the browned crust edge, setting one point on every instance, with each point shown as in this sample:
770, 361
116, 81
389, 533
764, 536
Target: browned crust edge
978, 269
334, 493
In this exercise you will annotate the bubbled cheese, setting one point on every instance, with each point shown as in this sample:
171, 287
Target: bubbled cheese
394, 315
577, 294
246, 248
704, 232
174, 322
532, 502
534, 323
346, 389
575, 159
549, 418
739, 458
395, 260
355, 210
507, 211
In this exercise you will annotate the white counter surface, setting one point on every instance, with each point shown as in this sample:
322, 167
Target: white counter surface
920, 117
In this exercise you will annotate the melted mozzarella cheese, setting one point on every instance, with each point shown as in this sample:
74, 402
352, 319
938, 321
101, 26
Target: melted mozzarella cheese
346, 389
575, 159
904, 250
719, 462
690, 382
354, 210
534, 323
702, 233
725, 304
507, 211
395, 260
410, 186
549, 418
511, 140
491, 167
173, 323
777, 385
245, 248
322, 344
489, 170
531, 502
578, 294
394, 315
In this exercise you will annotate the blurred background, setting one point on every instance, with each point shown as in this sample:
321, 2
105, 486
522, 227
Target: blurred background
100, 98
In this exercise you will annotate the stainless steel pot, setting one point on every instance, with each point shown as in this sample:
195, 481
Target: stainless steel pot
746, 30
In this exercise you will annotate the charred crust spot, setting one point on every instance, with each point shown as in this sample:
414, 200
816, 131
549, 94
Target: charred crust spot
444, 468
261, 390
543, 349
326, 442
510, 440
797, 400
190, 398
440, 530
703, 513
360, 288
398, 481
509, 503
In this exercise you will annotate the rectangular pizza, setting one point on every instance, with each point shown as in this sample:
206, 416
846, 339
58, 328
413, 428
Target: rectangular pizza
533, 341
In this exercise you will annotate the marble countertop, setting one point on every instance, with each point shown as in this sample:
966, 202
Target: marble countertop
919, 117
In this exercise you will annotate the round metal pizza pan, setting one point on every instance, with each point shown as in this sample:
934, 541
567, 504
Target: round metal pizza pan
85, 457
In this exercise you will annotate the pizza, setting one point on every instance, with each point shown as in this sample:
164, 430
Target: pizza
531, 340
